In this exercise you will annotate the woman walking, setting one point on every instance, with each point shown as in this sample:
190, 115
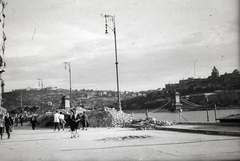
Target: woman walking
75, 123
33, 121
70, 123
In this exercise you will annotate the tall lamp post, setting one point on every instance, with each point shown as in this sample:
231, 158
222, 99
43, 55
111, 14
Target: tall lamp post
68, 67
40, 84
112, 18
3, 38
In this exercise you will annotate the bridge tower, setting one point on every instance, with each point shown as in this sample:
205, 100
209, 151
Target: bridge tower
178, 105
67, 102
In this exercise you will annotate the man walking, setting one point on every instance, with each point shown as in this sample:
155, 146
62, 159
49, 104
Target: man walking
62, 120
56, 121
33, 121
8, 124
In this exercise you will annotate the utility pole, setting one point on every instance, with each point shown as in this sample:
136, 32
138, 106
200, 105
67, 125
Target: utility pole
112, 18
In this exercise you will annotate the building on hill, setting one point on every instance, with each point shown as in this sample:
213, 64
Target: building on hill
214, 81
215, 73
173, 87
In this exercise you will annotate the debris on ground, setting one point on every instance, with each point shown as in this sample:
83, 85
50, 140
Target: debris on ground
130, 137
151, 123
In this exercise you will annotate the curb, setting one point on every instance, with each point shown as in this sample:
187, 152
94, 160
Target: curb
208, 132
199, 131
209, 123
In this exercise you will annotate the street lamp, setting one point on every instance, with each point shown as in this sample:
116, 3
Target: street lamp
40, 83
68, 67
112, 18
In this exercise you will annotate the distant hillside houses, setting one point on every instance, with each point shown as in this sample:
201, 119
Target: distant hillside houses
36, 89
215, 81
85, 94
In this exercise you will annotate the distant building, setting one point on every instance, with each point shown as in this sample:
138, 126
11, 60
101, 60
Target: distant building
214, 81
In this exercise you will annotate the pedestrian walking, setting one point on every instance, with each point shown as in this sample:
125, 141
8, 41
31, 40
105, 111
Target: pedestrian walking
12, 123
34, 121
16, 120
8, 124
21, 120
84, 121
62, 120
1, 125
70, 123
75, 123
56, 121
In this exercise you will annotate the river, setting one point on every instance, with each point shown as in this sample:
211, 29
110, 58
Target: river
194, 116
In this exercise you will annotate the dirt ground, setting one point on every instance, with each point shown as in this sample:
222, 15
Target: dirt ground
116, 144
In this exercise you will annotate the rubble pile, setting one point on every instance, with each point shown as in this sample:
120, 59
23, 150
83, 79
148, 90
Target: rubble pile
119, 117
108, 118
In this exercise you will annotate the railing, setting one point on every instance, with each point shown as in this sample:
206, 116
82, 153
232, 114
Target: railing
189, 103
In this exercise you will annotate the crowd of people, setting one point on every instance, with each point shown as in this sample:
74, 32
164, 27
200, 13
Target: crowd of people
75, 121
7, 123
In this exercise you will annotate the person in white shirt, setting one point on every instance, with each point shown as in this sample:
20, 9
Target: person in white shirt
62, 121
56, 121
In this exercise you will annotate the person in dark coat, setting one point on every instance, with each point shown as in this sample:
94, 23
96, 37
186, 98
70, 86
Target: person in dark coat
8, 124
33, 121
84, 121
75, 123
69, 122
21, 120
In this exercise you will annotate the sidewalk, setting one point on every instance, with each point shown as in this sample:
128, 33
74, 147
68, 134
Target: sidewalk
229, 129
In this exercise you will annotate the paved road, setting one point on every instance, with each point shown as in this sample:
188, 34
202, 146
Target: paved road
116, 144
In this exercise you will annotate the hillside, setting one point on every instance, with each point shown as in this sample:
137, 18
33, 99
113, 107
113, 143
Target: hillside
50, 100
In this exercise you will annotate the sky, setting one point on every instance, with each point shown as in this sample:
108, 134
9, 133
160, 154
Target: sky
158, 42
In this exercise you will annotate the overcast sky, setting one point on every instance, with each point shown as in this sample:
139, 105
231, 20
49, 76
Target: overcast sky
158, 42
